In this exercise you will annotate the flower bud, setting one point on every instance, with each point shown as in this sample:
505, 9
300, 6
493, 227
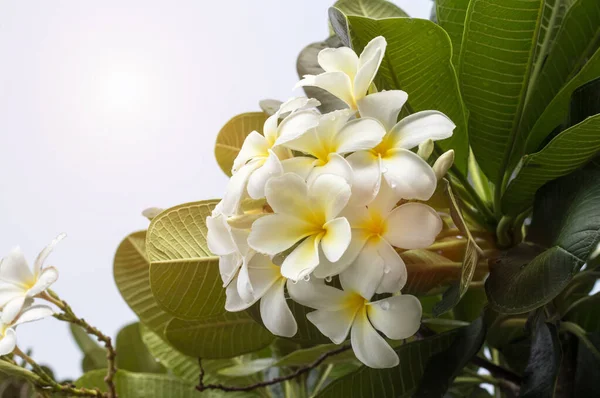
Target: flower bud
425, 149
443, 163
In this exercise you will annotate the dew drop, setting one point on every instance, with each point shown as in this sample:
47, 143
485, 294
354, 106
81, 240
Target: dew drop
306, 278
328, 279
294, 282
393, 185
386, 270
385, 305
384, 170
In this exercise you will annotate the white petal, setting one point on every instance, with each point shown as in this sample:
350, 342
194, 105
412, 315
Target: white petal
366, 74
301, 165
335, 165
412, 226
373, 48
357, 216
297, 124
288, 194
333, 324
47, 277
316, 294
368, 346
41, 258
255, 145
34, 313
364, 275
398, 317
341, 59
244, 287
228, 267
218, 238
337, 83
12, 309
275, 313
330, 194
302, 260
443, 163
258, 180
270, 131
236, 188
366, 170
394, 269
308, 142
409, 175
9, 292
14, 268
383, 106
233, 301
263, 274
296, 104
327, 268
336, 239
8, 342
275, 233
359, 134
385, 200
421, 126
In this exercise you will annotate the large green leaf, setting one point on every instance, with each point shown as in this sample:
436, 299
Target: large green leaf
224, 336
586, 378
566, 220
94, 355
375, 9
132, 275
496, 57
451, 16
143, 385
184, 276
232, 136
586, 313
134, 356
418, 60
398, 382
574, 43
557, 111
567, 152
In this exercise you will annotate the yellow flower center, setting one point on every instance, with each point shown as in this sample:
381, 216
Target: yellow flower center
382, 149
354, 301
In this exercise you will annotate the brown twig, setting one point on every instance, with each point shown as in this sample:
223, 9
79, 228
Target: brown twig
69, 316
298, 372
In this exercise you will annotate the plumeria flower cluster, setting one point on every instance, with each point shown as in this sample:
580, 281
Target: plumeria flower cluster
19, 287
319, 204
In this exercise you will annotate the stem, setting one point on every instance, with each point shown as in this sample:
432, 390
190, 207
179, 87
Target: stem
496, 370
480, 180
69, 316
576, 330
478, 201
503, 232
321, 380
298, 372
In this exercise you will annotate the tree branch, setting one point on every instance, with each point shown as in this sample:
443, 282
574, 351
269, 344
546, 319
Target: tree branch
298, 372
497, 371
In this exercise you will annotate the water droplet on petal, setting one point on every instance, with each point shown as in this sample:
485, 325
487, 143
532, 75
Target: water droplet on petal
306, 278
386, 270
294, 281
384, 170
385, 305
328, 279
393, 185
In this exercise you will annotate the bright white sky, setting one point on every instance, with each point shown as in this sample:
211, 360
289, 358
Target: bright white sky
107, 109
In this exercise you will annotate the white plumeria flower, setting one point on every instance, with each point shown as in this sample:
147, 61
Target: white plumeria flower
18, 283
268, 286
376, 230
332, 136
342, 311
8, 336
346, 75
306, 214
259, 158
406, 172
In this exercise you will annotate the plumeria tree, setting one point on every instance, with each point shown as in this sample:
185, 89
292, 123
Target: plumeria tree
425, 222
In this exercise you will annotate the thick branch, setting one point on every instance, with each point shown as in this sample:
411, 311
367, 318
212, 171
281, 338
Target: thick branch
300, 371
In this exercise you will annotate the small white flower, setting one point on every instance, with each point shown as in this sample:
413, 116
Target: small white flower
340, 312
306, 214
259, 158
333, 136
406, 172
346, 75
376, 230
267, 286
8, 336
18, 283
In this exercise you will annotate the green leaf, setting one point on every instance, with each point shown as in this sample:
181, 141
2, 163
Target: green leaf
496, 57
566, 219
586, 377
94, 355
557, 111
451, 16
224, 336
473, 254
398, 382
418, 61
574, 43
133, 353
567, 152
8, 368
132, 275
541, 372
184, 276
248, 368
445, 366
142, 385
586, 313
375, 9
307, 64
232, 136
